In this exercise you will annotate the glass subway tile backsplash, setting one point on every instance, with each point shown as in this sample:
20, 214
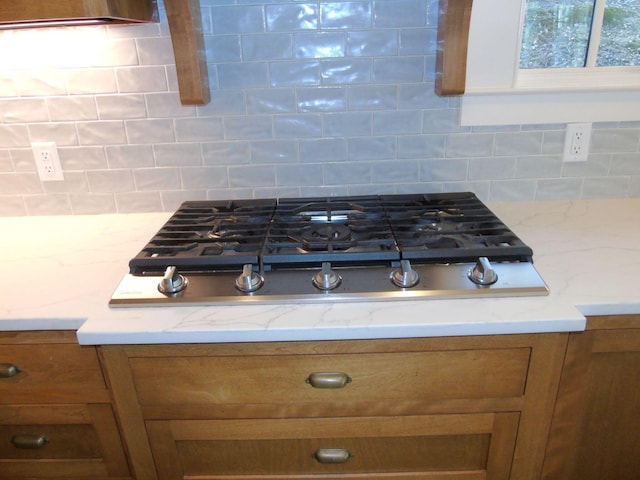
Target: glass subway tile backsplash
309, 98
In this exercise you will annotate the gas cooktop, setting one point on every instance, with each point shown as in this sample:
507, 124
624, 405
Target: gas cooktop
330, 249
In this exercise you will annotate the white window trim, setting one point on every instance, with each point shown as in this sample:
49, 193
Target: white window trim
496, 94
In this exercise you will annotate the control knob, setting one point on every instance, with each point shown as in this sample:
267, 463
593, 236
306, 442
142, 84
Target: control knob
405, 276
172, 282
483, 273
249, 281
327, 278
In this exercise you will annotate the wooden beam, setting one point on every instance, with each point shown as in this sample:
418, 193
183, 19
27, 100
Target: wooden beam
185, 24
453, 38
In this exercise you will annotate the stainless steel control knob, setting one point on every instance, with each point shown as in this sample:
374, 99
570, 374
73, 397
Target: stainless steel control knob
483, 273
172, 282
405, 276
327, 278
249, 281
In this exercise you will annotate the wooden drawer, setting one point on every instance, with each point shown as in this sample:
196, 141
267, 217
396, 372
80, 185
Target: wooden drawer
50, 373
370, 377
62, 441
472, 446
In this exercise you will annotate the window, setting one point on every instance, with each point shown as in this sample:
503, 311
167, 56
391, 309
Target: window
553, 61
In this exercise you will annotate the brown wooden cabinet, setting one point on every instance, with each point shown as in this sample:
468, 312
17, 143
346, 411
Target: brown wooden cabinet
56, 418
455, 408
596, 423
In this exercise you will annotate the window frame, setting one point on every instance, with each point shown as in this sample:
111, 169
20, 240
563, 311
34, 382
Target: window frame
497, 92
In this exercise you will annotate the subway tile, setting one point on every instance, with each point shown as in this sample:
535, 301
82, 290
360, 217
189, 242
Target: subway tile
442, 121
51, 204
141, 79
330, 99
129, 156
299, 73
396, 171
300, 175
444, 170
93, 81
344, 15
372, 43
204, 178
320, 44
149, 131
558, 188
238, 19
625, 164
5, 162
114, 107
92, 203
167, 105
399, 70
46, 82
199, 129
172, 199
399, 13
606, 187
323, 150
12, 206
243, 75
274, 151
153, 51
177, 154
22, 160
74, 182
469, 145
421, 95
267, 46
19, 183
82, 158
512, 190
297, 126
252, 176
292, 17
223, 48
611, 140
544, 166
248, 128
109, 181
421, 146
596, 165
226, 153
418, 41
152, 179
14, 136
373, 97
72, 108
518, 143
26, 110
63, 134
372, 148
347, 173
272, 100
398, 123
224, 102
347, 124
346, 71
491, 168
138, 202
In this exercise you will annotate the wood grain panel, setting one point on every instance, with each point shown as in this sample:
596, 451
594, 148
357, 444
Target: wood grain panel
453, 38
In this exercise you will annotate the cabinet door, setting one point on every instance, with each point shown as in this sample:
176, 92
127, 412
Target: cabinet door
595, 432
461, 447
60, 441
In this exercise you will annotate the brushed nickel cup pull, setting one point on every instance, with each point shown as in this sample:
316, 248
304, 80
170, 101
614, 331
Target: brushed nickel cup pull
30, 442
328, 380
332, 456
8, 370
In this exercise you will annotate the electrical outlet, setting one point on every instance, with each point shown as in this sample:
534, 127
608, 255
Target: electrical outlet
576, 142
47, 161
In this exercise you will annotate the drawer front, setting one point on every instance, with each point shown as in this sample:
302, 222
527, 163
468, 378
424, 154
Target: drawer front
467, 446
291, 379
60, 441
48, 373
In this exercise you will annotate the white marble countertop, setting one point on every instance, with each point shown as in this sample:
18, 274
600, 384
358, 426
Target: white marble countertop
59, 273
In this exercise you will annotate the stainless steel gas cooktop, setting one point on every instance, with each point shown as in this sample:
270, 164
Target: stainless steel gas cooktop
359, 248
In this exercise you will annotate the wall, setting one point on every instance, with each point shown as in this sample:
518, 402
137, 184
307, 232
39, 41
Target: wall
309, 98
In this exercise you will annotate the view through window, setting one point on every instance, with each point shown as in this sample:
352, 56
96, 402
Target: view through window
581, 33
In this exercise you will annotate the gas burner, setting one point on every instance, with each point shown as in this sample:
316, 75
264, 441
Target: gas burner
326, 232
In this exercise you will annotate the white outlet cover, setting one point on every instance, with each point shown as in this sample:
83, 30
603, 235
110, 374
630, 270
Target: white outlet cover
45, 155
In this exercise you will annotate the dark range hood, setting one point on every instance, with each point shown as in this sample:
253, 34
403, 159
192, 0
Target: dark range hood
46, 13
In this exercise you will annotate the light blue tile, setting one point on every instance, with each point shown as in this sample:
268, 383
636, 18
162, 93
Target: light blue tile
491, 168
418, 41
268, 46
238, 19
442, 170
373, 97
372, 43
322, 100
606, 187
177, 154
248, 128
155, 179
625, 164
399, 13
559, 189
396, 171
421, 146
399, 70
222, 48
347, 124
273, 100
469, 145
347, 173
201, 129
295, 73
300, 175
243, 75
372, 148
297, 126
203, 178
520, 143
320, 44
323, 150
252, 176
138, 202
442, 121
512, 190
420, 95
345, 15
226, 153
399, 123
539, 167
274, 151
616, 140
346, 71
299, 16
